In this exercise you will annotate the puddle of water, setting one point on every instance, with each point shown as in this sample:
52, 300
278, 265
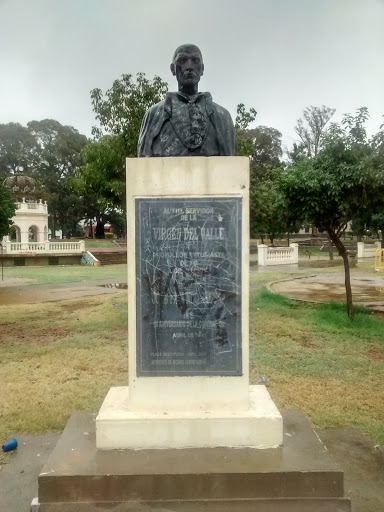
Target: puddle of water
16, 298
323, 292
302, 264
120, 286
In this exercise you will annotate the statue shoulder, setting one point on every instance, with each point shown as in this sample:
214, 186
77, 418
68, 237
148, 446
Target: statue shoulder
150, 127
222, 112
155, 110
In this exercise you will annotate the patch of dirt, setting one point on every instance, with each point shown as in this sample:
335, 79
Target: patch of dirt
378, 314
301, 340
304, 342
377, 354
121, 330
17, 335
73, 307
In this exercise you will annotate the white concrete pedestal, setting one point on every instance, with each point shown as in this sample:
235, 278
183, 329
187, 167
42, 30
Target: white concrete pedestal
177, 410
261, 426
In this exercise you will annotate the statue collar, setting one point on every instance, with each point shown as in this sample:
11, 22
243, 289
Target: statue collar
197, 98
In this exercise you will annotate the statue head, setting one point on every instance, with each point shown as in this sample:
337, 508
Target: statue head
188, 67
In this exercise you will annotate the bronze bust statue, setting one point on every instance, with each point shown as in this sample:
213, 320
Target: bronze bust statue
187, 122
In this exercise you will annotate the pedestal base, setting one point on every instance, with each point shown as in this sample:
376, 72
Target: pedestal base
299, 476
261, 426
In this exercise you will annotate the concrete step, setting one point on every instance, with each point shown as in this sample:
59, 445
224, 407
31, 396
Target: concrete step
110, 256
299, 476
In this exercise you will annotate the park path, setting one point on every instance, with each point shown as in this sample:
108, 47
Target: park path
12, 292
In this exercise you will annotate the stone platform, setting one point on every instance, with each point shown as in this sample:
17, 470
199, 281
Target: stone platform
299, 476
119, 427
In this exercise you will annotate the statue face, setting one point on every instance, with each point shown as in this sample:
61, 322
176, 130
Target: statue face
187, 66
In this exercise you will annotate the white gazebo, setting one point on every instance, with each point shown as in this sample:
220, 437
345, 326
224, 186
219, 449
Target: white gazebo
29, 232
30, 223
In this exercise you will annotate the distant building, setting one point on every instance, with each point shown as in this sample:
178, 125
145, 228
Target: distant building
30, 223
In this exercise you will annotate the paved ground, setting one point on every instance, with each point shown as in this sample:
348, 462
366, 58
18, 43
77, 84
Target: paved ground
18, 476
363, 466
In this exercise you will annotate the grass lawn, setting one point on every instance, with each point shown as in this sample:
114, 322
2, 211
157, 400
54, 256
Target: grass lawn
58, 358
67, 273
61, 357
318, 361
91, 243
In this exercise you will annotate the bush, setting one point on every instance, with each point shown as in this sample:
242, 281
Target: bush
108, 235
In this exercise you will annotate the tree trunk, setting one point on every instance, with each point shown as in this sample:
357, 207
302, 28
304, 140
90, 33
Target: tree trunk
344, 254
53, 230
90, 234
100, 228
61, 224
330, 248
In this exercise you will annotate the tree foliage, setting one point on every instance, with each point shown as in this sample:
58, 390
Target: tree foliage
103, 175
344, 180
377, 224
7, 210
262, 145
244, 141
50, 152
59, 156
119, 111
18, 146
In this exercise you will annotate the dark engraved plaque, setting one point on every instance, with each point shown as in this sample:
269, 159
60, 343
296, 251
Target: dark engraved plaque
188, 298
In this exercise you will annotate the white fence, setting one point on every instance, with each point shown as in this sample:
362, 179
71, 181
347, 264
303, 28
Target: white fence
277, 255
15, 248
367, 250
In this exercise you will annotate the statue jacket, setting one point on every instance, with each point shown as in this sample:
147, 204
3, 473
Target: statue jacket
166, 128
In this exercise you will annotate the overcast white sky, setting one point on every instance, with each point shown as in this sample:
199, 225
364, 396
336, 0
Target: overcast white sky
278, 56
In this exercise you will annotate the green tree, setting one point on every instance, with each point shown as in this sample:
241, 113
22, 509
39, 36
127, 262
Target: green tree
18, 146
244, 140
103, 174
345, 179
59, 155
360, 224
267, 211
119, 111
377, 223
263, 147
267, 150
50, 152
118, 220
7, 210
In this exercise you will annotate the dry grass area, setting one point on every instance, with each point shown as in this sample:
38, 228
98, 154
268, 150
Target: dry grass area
61, 357
57, 358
